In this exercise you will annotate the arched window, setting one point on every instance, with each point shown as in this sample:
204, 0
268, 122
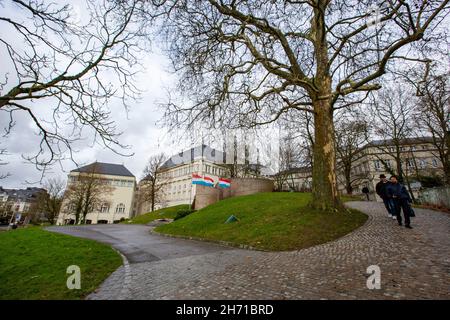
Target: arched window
120, 208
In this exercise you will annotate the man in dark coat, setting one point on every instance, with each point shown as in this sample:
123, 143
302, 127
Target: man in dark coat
381, 189
401, 198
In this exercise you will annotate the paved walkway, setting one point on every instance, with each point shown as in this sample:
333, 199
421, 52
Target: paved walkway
415, 264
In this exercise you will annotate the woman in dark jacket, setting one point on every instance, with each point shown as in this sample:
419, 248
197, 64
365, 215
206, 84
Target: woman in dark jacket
397, 192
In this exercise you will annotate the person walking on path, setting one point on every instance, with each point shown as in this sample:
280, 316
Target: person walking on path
381, 189
401, 198
366, 191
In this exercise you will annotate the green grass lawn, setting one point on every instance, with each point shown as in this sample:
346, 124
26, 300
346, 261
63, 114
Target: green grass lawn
33, 264
169, 212
271, 221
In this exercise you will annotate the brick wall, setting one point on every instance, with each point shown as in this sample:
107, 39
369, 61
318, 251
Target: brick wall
205, 196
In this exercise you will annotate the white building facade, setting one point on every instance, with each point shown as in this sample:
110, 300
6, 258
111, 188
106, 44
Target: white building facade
117, 202
176, 175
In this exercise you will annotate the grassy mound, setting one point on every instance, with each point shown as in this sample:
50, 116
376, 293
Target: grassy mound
33, 264
169, 212
271, 221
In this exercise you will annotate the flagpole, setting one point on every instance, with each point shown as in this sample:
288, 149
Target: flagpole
190, 196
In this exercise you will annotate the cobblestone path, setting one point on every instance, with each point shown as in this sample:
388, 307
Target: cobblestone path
415, 264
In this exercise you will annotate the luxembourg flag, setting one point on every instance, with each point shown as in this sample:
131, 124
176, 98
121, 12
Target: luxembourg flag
224, 183
196, 179
209, 182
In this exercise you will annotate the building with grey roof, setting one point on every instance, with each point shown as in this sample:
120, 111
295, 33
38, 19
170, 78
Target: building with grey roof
18, 201
115, 204
111, 169
199, 152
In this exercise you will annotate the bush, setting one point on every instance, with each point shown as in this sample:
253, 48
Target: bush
431, 181
183, 213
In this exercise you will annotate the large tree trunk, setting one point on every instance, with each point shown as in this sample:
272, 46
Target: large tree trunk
348, 179
324, 189
325, 195
153, 200
349, 188
445, 159
153, 193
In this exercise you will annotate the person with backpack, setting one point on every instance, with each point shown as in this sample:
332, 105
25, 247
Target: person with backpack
401, 198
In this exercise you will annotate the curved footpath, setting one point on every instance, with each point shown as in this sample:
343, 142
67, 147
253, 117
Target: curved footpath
414, 264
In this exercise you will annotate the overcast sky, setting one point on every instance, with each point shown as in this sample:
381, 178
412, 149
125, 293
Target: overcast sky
139, 131
139, 128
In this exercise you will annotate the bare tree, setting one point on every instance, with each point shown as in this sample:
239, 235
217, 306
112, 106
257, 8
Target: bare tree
239, 164
49, 203
152, 185
351, 134
393, 122
290, 158
433, 114
3, 152
75, 67
295, 154
6, 209
73, 201
246, 63
88, 192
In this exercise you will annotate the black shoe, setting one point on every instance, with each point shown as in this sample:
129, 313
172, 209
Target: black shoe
408, 226
400, 224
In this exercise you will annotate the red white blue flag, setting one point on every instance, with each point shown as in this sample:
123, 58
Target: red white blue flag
209, 182
224, 183
203, 181
196, 179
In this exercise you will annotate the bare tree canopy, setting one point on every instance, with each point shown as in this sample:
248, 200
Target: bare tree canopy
88, 192
3, 175
393, 122
49, 204
432, 112
246, 63
352, 131
151, 189
62, 70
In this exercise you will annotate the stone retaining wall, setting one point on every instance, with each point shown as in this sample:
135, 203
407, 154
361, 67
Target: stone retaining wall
205, 196
435, 196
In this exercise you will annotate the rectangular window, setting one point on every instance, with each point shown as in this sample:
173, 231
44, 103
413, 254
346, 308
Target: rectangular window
434, 163
377, 164
409, 163
422, 163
